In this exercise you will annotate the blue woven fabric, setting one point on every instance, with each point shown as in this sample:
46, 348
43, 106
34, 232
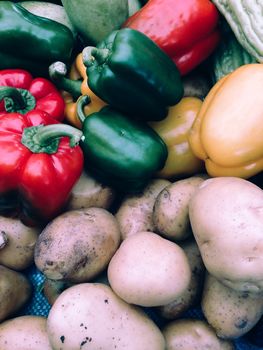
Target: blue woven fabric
38, 305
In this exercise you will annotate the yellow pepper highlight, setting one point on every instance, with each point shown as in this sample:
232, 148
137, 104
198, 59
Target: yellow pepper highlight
174, 130
228, 131
78, 72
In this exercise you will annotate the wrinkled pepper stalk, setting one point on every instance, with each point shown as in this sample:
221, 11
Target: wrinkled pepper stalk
73, 85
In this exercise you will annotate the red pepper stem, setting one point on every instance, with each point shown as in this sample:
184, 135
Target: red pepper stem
17, 100
49, 132
57, 73
81, 103
90, 54
45, 138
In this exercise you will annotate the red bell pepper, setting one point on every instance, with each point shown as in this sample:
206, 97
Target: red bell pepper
185, 29
26, 93
36, 174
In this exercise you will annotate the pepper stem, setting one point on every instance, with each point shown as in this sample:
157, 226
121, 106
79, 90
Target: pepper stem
45, 138
57, 73
81, 103
17, 100
91, 54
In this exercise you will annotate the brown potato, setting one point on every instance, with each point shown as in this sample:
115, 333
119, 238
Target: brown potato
170, 212
24, 333
232, 314
88, 192
15, 291
193, 294
77, 245
135, 212
189, 334
52, 289
18, 242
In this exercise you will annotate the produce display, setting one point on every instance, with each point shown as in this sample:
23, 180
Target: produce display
131, 175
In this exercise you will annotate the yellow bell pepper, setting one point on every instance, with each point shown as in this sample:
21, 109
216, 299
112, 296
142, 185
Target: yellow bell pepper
74, 87
174, 131
228, 131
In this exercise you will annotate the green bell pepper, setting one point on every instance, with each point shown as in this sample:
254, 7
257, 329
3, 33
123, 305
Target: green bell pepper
119, 151
31, 42
131, 73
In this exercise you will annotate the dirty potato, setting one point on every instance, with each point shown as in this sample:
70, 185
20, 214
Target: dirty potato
135, 211
15, 291
170, 212
77, 245
88, 192
17, 243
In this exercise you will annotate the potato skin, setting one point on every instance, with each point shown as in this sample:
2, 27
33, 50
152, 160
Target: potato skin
232, 314
15, 291
149, 270
226, 215
18, 253
193, 293
52, 289
171, 212
186, 334
90, 313
77, 245
88, 192
135, 211
24, 333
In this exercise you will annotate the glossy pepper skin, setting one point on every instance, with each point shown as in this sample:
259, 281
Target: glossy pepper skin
174, 131
228, 130
31, 42
119, 151
185, 29
35, 183
28, 93
131, 73
74, 86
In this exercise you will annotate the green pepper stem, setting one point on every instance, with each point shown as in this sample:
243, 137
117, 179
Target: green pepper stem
57, 73
82, 102
45, 139
91, 54
17, 100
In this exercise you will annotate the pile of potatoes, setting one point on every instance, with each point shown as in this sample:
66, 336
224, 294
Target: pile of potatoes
121, 272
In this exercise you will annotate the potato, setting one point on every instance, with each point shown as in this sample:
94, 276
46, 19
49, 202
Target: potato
24, 333
190, 334
91, 316
88, 192
15, 291
149, 270
170, 211
226, 215
192, 295
52, 289
232, 314
77, 245
18, 242
135, 212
